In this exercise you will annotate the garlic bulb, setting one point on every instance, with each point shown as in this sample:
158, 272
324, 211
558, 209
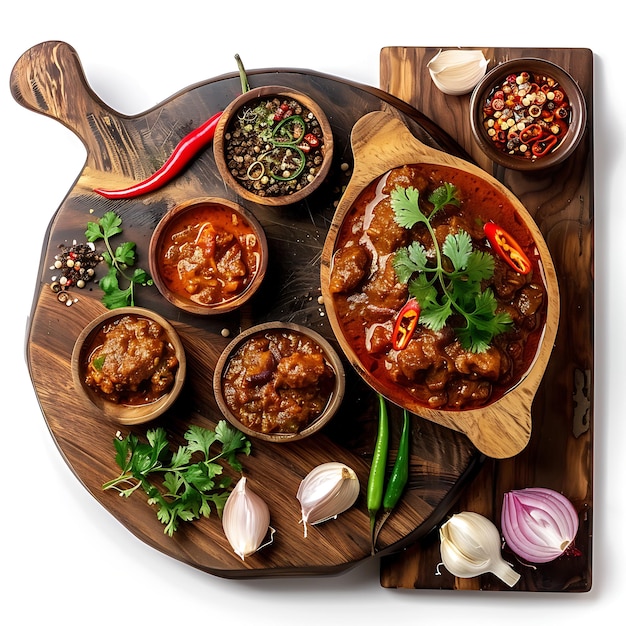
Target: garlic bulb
456, 72
326, 491
245, 519
470, 546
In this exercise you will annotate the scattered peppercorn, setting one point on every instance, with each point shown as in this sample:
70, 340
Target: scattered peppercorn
76, 266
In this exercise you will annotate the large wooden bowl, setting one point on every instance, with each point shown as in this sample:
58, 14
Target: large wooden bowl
381, 142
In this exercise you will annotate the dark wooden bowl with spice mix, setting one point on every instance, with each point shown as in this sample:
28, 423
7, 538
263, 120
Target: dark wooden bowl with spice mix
528, 114
273, 145
130, 363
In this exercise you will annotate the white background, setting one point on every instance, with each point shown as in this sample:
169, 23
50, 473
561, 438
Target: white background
63, 556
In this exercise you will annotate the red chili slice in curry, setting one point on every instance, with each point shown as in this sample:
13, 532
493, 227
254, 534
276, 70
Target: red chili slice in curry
405, 325
507, 248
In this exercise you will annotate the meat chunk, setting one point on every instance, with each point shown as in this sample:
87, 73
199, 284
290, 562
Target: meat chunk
483, 364
350, 267
384, 232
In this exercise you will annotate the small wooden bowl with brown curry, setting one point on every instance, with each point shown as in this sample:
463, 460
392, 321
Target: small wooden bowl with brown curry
130, 363
439, 287
279, 382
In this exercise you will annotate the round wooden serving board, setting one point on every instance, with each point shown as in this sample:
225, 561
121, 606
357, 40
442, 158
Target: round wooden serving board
48, 79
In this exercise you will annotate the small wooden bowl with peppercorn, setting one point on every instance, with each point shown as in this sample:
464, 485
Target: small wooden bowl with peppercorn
273, 146
528, 114
279, 382
130, 363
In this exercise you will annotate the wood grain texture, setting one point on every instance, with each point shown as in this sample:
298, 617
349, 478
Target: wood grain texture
48, 80
560, 452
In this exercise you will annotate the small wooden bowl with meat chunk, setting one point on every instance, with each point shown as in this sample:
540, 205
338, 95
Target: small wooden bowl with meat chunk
130, 363
279, 382
439, 287
208, 256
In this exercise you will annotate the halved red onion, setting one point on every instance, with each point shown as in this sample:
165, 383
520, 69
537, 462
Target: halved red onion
538, 524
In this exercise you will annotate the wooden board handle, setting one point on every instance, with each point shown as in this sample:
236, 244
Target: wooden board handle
45, 75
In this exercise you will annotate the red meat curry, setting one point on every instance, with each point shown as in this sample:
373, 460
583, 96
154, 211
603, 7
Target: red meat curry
434, 367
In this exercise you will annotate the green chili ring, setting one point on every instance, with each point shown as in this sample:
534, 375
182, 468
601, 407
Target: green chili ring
296, 172
291, 139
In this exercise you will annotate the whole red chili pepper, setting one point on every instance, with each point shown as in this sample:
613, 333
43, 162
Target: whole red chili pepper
405, 325
182, 154
507, 248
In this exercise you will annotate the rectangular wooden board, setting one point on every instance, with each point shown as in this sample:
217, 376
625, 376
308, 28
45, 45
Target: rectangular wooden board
560, 453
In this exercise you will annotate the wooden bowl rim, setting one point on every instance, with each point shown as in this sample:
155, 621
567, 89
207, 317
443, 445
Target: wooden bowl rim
331, 408
128, 415
188, 305
573, 136
259, 93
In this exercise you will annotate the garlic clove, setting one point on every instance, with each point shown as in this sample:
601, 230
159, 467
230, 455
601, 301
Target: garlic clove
327, 490
457, 72
470, 546
245, 519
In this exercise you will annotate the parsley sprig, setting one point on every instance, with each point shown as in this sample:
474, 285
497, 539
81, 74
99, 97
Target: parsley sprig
452, 283
189, 489
118, 261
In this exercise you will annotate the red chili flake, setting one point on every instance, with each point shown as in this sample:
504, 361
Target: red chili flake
312, 140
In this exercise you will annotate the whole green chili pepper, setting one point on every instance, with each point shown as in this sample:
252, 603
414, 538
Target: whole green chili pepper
400, 472
376, 481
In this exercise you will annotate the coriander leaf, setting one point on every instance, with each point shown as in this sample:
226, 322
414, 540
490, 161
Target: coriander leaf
187, 490
405, 205
109, 283
117, 299
93, 232
402, 264
200, 439
458, 248
123, 258
436, 315
423, 291
441, 291
125, 448
444, 195
181, 457
141, 277
233, 441
125, 254
480, 266
111, 224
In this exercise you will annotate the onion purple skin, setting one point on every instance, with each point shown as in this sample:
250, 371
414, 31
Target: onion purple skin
538, 524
